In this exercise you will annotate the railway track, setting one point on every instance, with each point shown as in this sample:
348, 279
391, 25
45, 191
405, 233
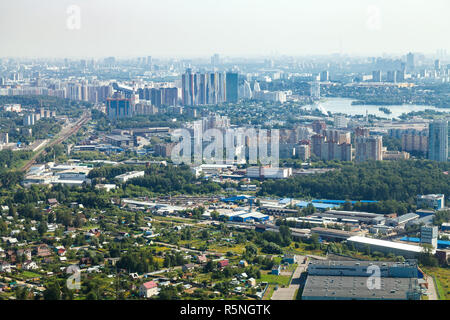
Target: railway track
74, 129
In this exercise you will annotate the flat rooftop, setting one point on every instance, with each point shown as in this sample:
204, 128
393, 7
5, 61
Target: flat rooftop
338, 287
386, 244
331, 263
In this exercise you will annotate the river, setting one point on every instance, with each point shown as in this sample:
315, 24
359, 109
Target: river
344, 105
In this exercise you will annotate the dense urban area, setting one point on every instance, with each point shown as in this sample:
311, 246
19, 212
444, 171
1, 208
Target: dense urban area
352, 174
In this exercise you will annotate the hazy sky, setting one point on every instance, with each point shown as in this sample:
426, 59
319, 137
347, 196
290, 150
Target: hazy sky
44, 28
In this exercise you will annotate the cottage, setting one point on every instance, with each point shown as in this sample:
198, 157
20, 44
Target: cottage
148, 289
202, 259
243, 263
276, 270
223, 263
24, 252
5, 267
251, 282
289, 258
86, 261
30, 265
188, 267
60, 250
43, 251
52, 202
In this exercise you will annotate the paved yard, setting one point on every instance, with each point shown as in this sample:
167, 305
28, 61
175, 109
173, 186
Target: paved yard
289, 292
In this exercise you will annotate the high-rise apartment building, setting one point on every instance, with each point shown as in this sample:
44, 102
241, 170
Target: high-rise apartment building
340, 121
118, 107
438, 141
369, 148
232, 87
315, 90
376, 76
318, 126
324, 76
410, 61
208, 88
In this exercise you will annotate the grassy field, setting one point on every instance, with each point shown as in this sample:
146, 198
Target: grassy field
235, 248
442, 276
274, 279
29, 274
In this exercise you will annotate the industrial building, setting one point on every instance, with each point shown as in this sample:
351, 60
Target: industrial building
317, 205
434, 201
332, 234
350, 280
407, 269
361, 217
269, 172
245, 216
70, 175
386, 247
402, 220
355, 288
129, 175
429, 235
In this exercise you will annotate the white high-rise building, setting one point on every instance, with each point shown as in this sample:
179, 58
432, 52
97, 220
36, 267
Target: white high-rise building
429, 235
246, 90
315, 90
340, 121
256, 87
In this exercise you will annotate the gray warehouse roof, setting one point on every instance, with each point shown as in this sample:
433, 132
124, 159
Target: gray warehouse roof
338, 287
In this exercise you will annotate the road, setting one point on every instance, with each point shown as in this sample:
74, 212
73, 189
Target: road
432, 294
63, 135
289, 293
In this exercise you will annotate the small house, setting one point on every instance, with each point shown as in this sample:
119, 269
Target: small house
148, 289
188, 267
223, 263
276, 270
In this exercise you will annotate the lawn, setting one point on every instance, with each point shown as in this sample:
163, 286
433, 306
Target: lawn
274, 279
29, 274
442, 276
235, 248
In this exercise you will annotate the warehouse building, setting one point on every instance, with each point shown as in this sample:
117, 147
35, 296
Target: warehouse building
407, 269
129, 175
402, 220
356, 288
434, 201
245, 216
362, 217
332, 234
351, 280
386, 247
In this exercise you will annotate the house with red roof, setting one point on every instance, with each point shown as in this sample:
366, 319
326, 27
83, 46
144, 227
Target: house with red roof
222, 263
148, 289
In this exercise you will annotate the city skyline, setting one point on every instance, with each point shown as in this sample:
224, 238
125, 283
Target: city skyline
201, 28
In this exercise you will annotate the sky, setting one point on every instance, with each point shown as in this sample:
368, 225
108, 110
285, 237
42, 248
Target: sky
200, 28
